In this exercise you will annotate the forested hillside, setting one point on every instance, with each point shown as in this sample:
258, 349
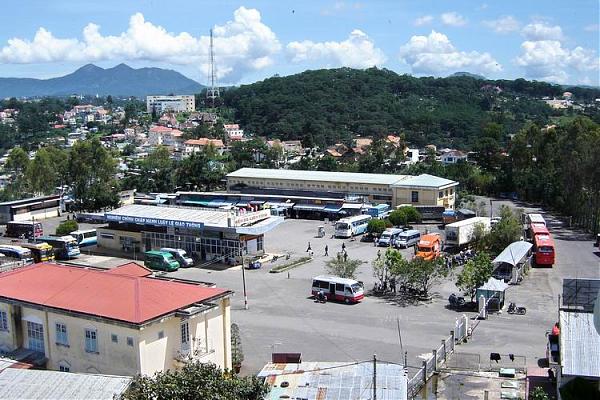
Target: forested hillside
326, 106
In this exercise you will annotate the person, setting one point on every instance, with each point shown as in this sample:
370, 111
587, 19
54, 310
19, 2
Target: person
375, 241
345, 256
393, 284
343, 246
326, 250
308, 248
378, 254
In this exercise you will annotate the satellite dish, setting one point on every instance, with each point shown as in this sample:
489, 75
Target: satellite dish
597, 313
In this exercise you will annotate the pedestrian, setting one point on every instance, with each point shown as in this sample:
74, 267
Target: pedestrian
326, 250
378, 254
345, 257
393, 284
308, 248
375, 241
343, 246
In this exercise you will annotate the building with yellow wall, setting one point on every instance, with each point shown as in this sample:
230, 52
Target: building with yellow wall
122, 321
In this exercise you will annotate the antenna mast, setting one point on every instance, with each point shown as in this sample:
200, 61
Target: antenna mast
213, 91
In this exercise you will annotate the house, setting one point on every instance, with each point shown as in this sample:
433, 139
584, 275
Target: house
337, 150
233, 131
161, 135
394, 140
122, 321
195, 145
453, 156
292, 146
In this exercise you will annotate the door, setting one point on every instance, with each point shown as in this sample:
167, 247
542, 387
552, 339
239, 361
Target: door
35, 336
332, 290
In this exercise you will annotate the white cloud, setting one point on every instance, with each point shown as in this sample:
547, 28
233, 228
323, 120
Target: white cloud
358, 51
592, 28
505, 24
548, 60
241, 45
435, 54
453, 19
424, 20
542, 31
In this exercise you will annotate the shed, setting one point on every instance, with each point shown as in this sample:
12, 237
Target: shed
493, 289
510, 263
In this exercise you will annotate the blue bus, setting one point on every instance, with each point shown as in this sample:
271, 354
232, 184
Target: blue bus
65, 247
352, 226
85, 237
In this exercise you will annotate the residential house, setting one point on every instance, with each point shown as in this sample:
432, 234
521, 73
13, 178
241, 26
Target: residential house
453, 156
292, 147
195, 145
161, 135
233, 131
337, 150
121, 321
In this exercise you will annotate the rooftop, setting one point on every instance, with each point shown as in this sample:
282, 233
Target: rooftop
426, 180
37, 384
342, 177
122, 294
579, 344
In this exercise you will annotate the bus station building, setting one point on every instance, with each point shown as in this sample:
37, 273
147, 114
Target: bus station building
207, 234
30, 209
421, 190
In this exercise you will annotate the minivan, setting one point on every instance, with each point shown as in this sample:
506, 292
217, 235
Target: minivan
160, 260
408, 238
389, 236
180, 256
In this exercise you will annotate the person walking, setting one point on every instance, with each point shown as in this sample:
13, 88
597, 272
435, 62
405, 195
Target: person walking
343, 246
326, 250
308, 248
345, 256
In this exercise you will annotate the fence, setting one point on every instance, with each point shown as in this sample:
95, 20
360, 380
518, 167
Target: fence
9, 266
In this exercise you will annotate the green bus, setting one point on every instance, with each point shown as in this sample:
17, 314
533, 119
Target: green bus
160, 260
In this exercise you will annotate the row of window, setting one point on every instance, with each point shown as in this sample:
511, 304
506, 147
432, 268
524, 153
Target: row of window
91, 338
313, 185
447, 192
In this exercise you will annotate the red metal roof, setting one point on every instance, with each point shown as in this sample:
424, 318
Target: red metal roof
130, 269
124, 297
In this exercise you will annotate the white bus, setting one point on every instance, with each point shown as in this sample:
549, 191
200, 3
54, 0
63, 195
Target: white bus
336, 288
352, 226
85, 237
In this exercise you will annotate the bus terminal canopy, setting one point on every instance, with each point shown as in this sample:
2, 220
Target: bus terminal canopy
513, 254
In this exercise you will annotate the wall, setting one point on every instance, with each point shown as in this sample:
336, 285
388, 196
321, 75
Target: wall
115, 243
8, 339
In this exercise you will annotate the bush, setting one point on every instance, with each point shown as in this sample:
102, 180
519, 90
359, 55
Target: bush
376, 226
66, 227
404, 215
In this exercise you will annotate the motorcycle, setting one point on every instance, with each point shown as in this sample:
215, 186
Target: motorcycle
456, 301
514, 309
320, 297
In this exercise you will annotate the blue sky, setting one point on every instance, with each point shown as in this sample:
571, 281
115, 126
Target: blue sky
548, 40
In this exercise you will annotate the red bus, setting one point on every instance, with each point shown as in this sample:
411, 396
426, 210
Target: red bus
543, 245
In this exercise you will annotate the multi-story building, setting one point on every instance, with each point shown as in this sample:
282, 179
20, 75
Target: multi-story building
192, 146
121, 321
233, 131
182, 103
421, 190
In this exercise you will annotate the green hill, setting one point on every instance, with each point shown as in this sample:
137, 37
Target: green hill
327, 106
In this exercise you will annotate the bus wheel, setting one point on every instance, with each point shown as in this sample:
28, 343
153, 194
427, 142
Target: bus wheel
347, 300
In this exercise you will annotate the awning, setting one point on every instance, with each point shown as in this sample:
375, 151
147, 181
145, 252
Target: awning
353, 206
278, 204
203, 203
257, 202
514, 253
242, 204
495, 285
308, 207
333, 208
219, 203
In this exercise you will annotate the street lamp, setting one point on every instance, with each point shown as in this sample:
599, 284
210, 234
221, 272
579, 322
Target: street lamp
244, 251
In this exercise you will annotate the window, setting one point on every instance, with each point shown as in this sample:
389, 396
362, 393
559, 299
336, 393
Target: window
3, 321
415, 196
114, 338
161, 334
91, 341
35, 334
185, 334
64, 366
441, 194
61, 334
129, 341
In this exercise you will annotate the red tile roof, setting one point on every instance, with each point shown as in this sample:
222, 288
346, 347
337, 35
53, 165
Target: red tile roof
204, 142
125, 297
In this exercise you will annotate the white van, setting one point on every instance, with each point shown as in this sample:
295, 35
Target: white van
389, 236
408, 238
336, 288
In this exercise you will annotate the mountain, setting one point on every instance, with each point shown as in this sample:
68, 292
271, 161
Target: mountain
469, 75
121, 80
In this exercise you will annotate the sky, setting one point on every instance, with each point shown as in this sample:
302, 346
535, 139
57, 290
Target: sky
555, 41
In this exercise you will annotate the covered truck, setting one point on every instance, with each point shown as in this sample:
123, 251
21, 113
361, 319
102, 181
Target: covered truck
461, 233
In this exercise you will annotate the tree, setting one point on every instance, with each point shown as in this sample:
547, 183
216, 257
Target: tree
392, 264
66, 227
474, 274
404, 215
505, 232
159, 168
196, 380
376, 226
538, 394
423, 274
237, 353
92, 172
17, 161
342, 266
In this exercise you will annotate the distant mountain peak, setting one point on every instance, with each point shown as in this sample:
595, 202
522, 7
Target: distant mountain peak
469, 74
89, 68
122, 66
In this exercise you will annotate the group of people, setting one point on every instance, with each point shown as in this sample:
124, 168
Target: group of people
343, 253
459, 259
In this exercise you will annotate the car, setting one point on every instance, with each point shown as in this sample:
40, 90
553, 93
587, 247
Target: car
160, 260
180, 256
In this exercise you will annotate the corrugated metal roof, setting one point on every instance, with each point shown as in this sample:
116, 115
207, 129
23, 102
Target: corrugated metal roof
426, 180
579, 344
36, 384
327, 176
335, 381
513, 253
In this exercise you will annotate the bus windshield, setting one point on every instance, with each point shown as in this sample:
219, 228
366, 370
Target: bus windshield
356, 287
424, 248
342, 226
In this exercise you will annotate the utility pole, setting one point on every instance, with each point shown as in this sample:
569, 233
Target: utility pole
374, 376
244, 283
212, 92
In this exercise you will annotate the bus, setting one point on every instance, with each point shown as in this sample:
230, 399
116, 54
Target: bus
389, 236
41, 252
24, 229
85, 237
535, 219
65, 247
18, 252
336, 288
543, 245
352, 226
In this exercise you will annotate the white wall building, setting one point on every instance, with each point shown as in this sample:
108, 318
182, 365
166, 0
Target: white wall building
182, 103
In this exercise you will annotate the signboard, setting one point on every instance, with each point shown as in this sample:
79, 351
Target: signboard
250, 218
154, 221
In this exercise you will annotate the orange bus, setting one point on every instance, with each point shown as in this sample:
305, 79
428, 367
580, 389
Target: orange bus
543, 245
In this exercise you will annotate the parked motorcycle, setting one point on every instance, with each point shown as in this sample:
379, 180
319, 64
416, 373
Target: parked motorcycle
456, 301
514, 309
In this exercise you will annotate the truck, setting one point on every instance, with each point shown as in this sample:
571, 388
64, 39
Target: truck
461, 233
429, 246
